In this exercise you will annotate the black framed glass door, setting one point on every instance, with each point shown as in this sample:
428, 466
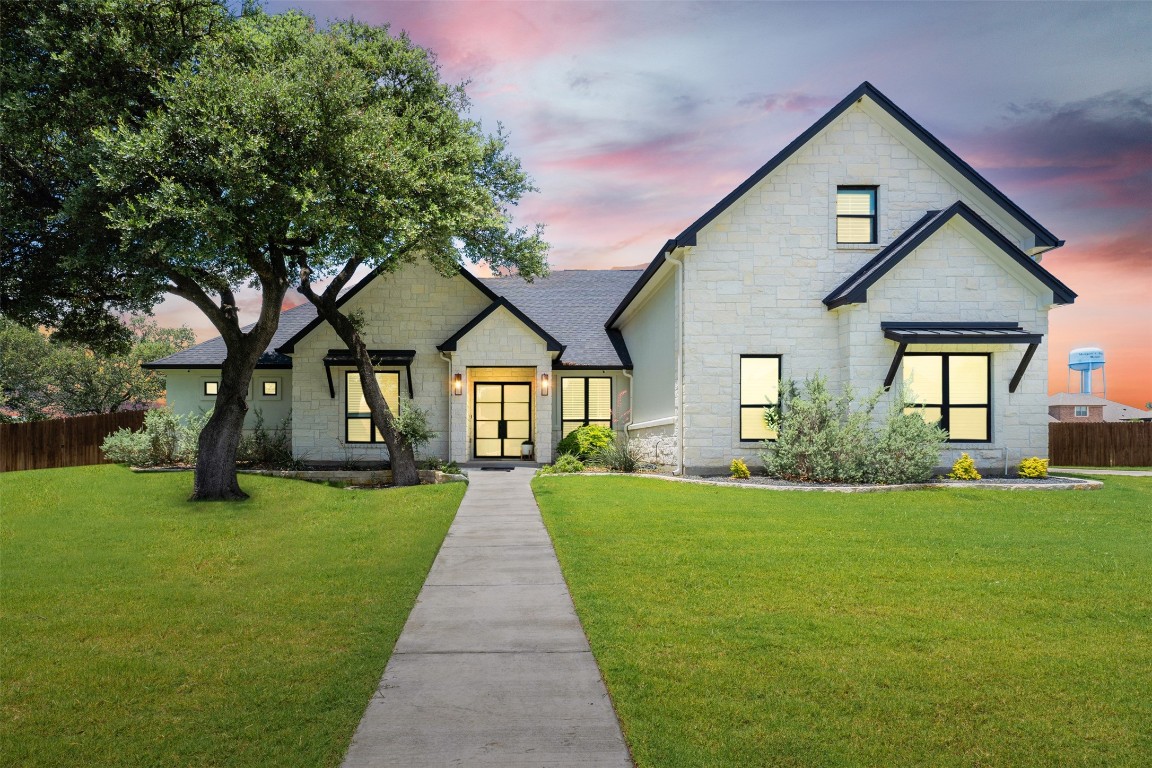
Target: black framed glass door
502, 419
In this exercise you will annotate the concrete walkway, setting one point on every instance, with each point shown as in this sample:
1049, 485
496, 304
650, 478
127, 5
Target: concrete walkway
492, 668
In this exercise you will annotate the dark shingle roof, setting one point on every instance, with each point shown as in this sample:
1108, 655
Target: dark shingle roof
570, 305
210, 354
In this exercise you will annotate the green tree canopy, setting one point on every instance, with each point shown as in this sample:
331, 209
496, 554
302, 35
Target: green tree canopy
279, 153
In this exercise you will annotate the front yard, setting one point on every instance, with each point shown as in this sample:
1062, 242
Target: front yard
142, 629
742, 627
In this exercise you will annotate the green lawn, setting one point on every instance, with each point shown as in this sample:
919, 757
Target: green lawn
140, 629
947, 627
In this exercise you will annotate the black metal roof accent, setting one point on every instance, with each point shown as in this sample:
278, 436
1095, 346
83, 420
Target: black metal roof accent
449, 344
854, 290
290, 345
1043, 236
959, 333
379, 358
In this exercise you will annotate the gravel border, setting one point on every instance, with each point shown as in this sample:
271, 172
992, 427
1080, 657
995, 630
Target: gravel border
771, 484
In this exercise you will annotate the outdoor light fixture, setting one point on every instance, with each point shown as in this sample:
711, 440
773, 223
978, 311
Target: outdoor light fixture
457, 384
544, 384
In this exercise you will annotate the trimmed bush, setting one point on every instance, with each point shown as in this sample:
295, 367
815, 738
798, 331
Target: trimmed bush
267, 448
565, 464
907, 449
739, 469
1034, 468
587, 441
964, 469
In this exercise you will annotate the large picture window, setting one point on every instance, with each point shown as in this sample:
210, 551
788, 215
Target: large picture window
357, 417
585, 401
759, 389
855, 214
951, 389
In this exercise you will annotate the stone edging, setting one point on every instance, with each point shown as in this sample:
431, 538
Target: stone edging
350, 476
1073, 484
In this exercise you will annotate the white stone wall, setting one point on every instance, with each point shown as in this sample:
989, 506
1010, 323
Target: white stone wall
656, 444
501, 348
414, 308
755, 281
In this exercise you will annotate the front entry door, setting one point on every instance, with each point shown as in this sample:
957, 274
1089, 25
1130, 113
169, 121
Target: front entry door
503, 419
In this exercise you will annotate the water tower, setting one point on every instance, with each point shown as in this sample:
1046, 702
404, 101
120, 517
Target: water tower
1085, 360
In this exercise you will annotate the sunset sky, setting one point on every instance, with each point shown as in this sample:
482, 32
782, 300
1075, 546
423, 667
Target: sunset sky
635, 118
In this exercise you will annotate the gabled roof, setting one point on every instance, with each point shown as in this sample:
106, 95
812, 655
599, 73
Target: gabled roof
211, 353
290, 345
1044, 238
567, 308
450, 343
572, 306
854, 290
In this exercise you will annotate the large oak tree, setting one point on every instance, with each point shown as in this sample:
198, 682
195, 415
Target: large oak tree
279, 153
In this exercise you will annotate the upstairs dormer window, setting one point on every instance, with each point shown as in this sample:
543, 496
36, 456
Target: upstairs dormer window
856, 214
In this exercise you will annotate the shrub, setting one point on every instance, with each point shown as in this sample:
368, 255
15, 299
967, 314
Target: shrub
585, 442
265, 448
564, 464
820, 436
165, 439
908, 448
1034, 468
739, 469
412, 424
964, 469
439, 465
824, 438
619, 455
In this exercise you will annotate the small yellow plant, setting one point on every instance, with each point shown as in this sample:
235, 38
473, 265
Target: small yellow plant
964, 469
739, 469
1034, 467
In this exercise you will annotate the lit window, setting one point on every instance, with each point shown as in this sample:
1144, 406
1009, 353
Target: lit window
271, 388
585, 401
358, 419
855, 214
211, 388
951, 389
1081, 411
759, 390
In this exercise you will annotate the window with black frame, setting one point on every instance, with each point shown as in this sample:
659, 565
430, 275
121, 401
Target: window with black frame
585, 400
759, 389
357, 416
855, 214
951, 389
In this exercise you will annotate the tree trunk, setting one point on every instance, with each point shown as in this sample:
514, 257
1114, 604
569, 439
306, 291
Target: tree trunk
220, 439
400, 454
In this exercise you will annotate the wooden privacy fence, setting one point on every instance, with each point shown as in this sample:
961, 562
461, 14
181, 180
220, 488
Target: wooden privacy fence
71, 442
1101, 444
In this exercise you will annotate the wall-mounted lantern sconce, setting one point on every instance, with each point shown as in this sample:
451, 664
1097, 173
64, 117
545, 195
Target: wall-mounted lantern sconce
545, 384
457, 384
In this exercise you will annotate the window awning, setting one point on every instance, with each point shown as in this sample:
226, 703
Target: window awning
381, 358
960, 333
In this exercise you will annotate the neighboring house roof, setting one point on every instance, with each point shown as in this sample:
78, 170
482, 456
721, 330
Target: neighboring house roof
1043, 238
1113, 411
854, 290
567, 309
572, 305
210, 354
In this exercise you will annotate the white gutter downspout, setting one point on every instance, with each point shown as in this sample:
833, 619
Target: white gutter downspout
679, 360
631, 399
447, 357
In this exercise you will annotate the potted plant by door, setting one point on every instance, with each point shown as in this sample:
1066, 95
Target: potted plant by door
527, 450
